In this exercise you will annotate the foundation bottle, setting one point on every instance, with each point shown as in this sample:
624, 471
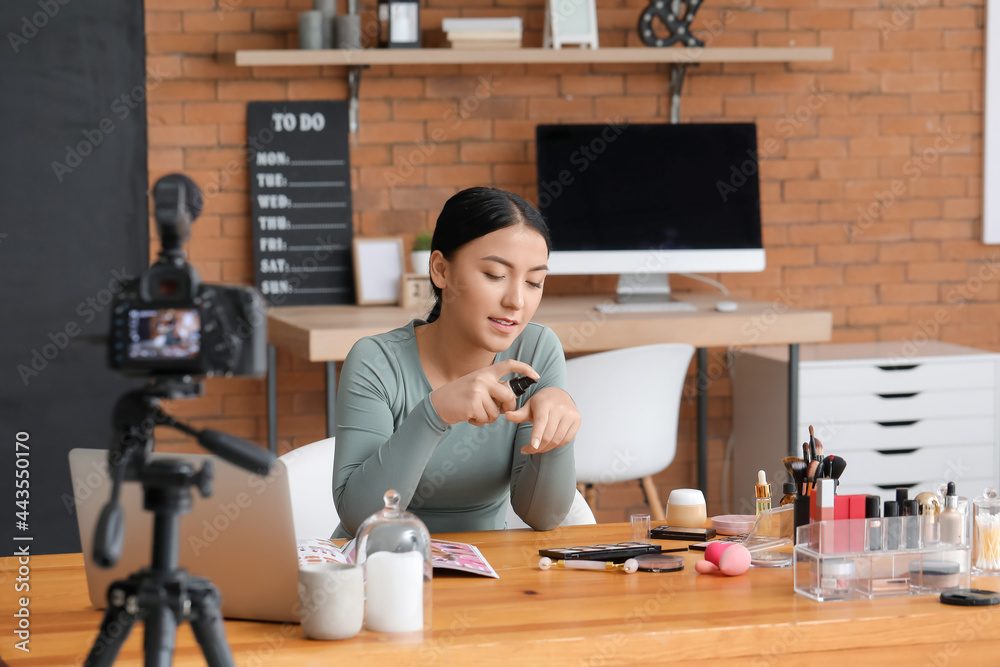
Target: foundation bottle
952, 521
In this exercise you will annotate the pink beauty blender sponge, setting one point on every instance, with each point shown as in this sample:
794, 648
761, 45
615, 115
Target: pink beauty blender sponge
730, 559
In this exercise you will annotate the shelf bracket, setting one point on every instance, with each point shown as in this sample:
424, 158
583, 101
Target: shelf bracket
354, 85
677, 72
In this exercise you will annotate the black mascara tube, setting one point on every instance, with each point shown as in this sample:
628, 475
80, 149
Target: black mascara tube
519, 385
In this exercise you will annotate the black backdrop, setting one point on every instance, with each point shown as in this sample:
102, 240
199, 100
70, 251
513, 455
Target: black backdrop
73, 220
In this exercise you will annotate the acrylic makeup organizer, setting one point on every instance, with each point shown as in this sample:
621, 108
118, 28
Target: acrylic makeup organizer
862, 559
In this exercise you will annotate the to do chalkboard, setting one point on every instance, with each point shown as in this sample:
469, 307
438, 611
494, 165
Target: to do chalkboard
300, 194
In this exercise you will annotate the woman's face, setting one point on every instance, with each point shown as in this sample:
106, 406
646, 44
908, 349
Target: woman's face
492, 285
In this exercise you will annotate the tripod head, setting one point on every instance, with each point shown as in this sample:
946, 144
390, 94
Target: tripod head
136, 415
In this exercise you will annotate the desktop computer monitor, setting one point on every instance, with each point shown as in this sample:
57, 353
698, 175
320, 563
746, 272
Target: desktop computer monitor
647, 200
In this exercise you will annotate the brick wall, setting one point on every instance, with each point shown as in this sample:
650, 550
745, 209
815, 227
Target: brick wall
871, 182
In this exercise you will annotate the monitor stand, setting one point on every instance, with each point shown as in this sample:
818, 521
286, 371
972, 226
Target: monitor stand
644, 288
645, 293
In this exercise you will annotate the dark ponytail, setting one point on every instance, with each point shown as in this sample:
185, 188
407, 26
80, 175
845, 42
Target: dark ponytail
476, 212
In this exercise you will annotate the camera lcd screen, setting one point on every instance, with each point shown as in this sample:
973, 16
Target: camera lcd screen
168, 333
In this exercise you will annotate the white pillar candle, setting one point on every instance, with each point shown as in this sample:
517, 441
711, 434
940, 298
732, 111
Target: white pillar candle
394, 591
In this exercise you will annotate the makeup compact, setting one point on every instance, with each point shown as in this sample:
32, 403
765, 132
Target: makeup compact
660, 563
733, 524
971, 597
686, 508
934, 574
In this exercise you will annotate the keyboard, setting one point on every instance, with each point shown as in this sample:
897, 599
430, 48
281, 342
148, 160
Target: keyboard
647, 307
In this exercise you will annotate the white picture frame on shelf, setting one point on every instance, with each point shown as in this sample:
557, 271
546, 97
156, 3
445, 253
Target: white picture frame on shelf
378, 267
570, 22
991, 133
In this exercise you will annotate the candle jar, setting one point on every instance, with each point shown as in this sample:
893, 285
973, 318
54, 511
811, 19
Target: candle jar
394, 548
986, 534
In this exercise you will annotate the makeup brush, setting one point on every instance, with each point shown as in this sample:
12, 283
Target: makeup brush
812, 442
837, 466
806, 455
787, 462
798, 471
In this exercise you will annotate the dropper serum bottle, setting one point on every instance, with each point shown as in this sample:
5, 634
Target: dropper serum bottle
763, 492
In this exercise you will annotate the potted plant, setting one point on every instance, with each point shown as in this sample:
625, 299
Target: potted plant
420, 256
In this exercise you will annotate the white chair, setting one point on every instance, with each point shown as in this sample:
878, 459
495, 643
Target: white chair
629, 400
579, 515
310, 480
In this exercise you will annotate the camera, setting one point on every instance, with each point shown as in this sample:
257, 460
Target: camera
167, 323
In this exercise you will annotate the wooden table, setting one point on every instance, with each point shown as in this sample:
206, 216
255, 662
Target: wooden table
560, 617
327, 333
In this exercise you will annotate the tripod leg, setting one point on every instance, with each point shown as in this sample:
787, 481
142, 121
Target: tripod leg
161, 631
206, 622
115, 626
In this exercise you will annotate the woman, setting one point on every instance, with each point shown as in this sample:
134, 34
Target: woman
424, 410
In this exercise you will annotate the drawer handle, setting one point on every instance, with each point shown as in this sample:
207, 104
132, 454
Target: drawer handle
893, 452
907, 367
900, 423
909, 395
889, 487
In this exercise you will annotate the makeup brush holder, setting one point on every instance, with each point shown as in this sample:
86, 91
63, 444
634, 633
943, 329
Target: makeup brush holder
861, 559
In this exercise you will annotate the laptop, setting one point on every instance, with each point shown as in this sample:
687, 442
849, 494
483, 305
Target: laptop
242, 537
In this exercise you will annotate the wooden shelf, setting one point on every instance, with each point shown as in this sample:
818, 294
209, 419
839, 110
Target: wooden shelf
678, 57
443, 56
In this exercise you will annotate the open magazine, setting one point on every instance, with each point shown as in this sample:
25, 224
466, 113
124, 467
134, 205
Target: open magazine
445, 555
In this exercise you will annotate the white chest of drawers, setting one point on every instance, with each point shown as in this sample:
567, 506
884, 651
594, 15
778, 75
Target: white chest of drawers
900, 414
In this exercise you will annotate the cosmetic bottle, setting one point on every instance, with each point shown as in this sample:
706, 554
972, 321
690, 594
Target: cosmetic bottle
763, 492
788, 488
902, 495
892, 524
952, 520
874, 523
930, 509
911, 510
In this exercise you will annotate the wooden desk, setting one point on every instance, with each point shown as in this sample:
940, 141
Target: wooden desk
326, 334
560, 617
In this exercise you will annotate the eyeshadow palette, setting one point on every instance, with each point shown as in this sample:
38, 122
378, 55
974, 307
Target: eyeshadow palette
616, 553
681, 533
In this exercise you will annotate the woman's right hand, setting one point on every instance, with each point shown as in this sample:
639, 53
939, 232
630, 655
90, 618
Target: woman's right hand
479, 397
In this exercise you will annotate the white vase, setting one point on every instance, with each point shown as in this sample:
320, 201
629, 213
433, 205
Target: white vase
421, 260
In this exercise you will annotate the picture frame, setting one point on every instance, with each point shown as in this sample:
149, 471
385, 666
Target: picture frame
378, 267
416, 292
991, 135
570, 22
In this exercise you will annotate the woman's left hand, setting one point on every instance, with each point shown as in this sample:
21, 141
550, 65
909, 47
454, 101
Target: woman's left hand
554, 418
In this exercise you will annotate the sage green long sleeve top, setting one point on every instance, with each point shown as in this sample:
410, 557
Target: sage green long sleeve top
454, 477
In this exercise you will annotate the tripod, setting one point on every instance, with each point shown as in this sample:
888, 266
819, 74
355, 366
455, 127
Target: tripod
162, 595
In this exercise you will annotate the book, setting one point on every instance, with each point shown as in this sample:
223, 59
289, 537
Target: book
455, 24
486, 44
456, 35
445, 555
